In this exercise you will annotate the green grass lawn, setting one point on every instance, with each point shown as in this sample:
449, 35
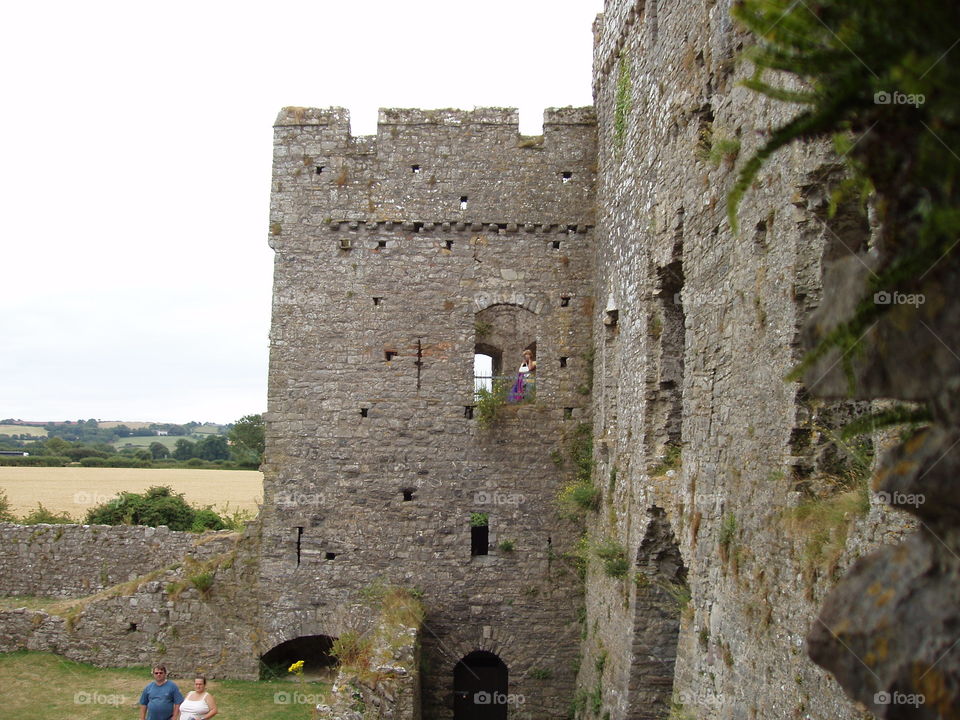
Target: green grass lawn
42, 685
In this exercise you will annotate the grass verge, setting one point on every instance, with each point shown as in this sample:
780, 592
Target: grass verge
74, 690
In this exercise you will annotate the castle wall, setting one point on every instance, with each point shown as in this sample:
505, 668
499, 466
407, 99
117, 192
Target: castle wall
76, 560
159, 614
707, 326
374, 464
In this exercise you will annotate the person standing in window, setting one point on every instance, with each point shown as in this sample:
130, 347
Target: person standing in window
520, 390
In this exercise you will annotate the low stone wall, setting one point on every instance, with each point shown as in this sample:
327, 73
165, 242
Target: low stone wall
194, 616
77, 560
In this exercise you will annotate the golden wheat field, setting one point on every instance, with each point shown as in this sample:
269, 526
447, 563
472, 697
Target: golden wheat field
75, 490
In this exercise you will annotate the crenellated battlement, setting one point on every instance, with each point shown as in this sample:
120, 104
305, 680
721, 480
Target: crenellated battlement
450, 168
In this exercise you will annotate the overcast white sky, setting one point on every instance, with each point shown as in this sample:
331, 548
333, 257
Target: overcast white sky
135, 173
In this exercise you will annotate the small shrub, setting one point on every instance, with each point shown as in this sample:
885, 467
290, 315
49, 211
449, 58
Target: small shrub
234, 519
577, 498
614, 557
353, 649
506, 545
207, 519
43, 516
487, 403
158, 506
202, 581
478, 519
5, 514
670, 461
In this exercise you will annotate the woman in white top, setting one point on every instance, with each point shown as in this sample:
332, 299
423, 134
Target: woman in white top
198, 704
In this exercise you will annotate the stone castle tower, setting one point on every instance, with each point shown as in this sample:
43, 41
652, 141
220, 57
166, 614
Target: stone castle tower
687, 584
399, 258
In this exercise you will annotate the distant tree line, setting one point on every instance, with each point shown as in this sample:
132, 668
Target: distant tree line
89, 431
241, 448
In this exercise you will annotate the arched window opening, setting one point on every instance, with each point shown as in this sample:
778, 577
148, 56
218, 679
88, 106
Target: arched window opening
504, 333
487, 364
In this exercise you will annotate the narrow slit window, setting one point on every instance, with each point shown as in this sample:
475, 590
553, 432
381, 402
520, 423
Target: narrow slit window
364, 411
329, 555
407, 494
566, 176
555, 244
389, 355
381, 243
563, 361
463, 202
449, 244
415, 169
567, 413
479, 534
468, 412
564, 301
377, 300
320, 169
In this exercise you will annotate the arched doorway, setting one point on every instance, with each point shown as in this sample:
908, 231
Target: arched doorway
314, 650
480, 687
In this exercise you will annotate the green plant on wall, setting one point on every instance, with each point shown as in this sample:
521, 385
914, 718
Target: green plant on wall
479, 519
876, 77
580, 496
487, 403
614, 558
728, 535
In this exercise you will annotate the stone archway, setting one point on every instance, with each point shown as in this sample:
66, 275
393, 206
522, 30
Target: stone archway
480, 682
315, 651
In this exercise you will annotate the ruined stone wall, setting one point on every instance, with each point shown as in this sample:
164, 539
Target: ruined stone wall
77, 560
695, 327
398, 256
166, 615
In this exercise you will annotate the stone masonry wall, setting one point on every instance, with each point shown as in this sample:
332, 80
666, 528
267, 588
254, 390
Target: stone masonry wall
695, 327
389, 250
77, 560
157, 616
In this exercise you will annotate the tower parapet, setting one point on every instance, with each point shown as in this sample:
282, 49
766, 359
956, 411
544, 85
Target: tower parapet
458, 167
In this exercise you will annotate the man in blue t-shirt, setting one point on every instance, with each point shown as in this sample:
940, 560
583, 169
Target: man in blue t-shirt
160, 700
